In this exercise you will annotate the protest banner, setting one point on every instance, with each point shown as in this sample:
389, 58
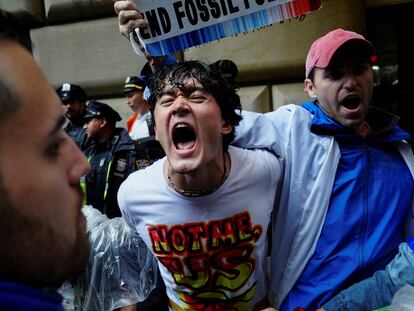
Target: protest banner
181, 24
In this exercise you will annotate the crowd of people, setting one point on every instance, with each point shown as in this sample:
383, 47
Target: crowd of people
206, 206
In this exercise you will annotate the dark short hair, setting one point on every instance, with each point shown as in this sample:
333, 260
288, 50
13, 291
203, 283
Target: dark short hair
11, 29
9, 100
212, 80
14, 29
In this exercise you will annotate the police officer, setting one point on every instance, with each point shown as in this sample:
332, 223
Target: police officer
139, 125
73, 98
112, 157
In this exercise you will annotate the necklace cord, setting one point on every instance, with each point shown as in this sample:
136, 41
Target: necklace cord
199, 192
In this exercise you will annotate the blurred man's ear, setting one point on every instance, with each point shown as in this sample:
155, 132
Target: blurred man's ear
309, 88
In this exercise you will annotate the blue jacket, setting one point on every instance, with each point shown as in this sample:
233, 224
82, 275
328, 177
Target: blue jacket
111, 163
18, 297
78, 134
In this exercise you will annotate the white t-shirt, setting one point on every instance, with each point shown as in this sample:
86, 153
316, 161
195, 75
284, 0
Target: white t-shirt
212, 249
140, 127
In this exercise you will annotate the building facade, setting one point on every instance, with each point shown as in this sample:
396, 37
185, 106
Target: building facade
78, 41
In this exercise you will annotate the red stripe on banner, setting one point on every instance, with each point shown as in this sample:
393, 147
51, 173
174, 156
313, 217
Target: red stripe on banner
299, 7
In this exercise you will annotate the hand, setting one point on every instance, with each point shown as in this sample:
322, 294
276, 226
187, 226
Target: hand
129, 17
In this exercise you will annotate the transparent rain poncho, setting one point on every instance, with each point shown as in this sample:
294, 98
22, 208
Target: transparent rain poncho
121, 270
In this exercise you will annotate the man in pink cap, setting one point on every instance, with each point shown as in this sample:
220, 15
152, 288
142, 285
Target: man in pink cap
347, 190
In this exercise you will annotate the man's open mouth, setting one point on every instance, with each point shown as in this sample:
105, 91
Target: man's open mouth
351, 102
183, 136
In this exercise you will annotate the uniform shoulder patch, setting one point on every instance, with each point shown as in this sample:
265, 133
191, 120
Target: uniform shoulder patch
142, 163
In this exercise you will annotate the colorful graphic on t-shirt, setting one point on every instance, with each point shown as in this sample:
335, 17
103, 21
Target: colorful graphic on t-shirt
212, 261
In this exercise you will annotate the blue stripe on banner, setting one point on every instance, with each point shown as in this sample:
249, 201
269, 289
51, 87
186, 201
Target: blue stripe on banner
231, 27
215, 32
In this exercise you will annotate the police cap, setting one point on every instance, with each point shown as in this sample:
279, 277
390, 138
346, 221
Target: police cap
227, 68
96, 109
133, 83
68, 92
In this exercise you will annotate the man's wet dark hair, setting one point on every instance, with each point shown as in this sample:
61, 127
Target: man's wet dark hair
212, 80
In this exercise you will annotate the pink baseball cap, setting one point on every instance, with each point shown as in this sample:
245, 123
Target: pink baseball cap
324, 48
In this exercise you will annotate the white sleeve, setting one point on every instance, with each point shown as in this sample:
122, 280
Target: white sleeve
256, 131
123, 202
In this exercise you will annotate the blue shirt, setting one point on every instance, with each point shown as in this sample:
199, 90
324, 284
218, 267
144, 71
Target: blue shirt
19, 297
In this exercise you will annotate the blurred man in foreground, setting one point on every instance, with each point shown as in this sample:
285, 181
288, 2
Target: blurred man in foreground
43, 228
